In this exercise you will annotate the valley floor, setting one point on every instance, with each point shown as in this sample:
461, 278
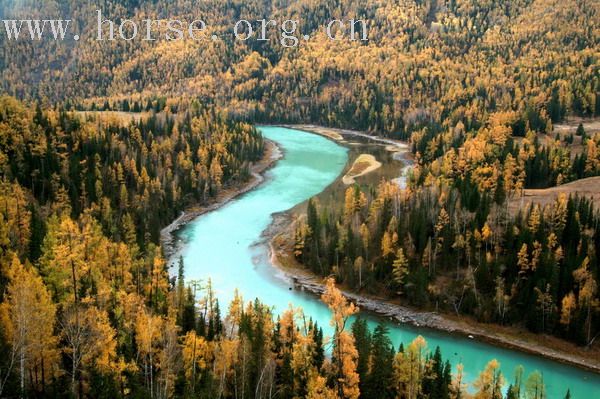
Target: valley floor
279, 237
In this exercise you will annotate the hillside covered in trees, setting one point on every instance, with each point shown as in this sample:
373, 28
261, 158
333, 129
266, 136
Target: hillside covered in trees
427, 64
88, 307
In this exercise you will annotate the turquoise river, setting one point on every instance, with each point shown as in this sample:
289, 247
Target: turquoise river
225, 245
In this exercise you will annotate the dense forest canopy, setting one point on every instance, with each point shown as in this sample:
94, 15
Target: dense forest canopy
434, 62
476, 88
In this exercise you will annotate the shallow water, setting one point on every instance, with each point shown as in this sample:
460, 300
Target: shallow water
222, 245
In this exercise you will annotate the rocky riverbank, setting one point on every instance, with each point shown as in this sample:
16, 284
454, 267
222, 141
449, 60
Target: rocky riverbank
257, 170
279, 237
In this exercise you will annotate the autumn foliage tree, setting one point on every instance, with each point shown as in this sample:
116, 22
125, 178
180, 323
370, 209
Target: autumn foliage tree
344, 351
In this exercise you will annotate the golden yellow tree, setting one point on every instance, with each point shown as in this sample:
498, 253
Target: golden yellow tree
225, 355
302, 361
490, 381
588, 288
89, 342
147, 335
568, 306
387, 246
168, 359
534, 386
16, 215
196, 356
62, 260
409, 368
400, 270
458, 386
317, 388
345, 353
523, 260
27, 317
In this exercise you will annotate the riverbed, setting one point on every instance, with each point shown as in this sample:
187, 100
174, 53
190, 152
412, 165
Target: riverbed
225, 246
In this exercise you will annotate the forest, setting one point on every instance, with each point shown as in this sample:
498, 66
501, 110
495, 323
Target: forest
88, 307
451, 242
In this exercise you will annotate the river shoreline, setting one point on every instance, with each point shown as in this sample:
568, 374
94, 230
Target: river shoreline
401, 150
168, 234
304, 280
282, 228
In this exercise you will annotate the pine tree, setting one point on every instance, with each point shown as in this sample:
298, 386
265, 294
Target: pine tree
380, 379
362, 339
188, 314
319, 353
180, 291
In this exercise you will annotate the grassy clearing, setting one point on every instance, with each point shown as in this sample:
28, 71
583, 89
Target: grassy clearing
589, 187
118, 117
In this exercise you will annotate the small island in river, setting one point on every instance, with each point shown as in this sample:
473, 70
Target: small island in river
364, 164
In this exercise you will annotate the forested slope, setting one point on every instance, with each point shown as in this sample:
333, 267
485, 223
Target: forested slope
435, 63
